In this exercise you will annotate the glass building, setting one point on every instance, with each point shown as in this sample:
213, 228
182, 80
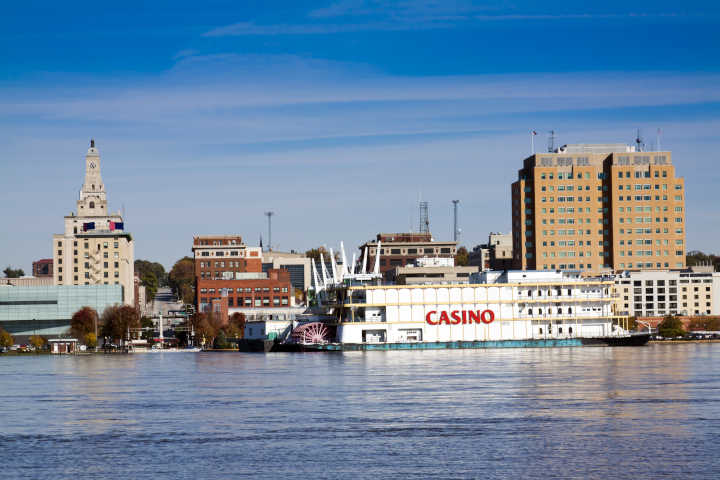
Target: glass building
47, 309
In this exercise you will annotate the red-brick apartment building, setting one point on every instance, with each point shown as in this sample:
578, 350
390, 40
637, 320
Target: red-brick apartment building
229, 276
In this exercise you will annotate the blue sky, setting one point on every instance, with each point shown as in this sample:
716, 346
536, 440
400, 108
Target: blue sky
336, 115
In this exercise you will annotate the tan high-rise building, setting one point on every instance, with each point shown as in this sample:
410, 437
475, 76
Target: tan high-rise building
95, 248
596, 207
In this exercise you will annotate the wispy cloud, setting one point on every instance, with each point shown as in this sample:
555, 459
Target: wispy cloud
410, 23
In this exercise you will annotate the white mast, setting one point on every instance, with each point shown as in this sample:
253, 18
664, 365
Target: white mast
345, 267
376, 268
352, 265
335, 273
365, 255
324, 270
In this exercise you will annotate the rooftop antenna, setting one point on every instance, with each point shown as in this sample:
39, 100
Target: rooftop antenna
455, 220
551, 142
424, 219
639, 141
269, 215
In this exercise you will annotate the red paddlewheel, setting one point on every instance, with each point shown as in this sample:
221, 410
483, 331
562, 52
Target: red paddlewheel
309, 333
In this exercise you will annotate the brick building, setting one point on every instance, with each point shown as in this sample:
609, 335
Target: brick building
229, 275
43, 268
401, 249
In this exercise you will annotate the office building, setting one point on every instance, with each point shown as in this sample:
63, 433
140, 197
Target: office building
95, 248
401, 249
598, 208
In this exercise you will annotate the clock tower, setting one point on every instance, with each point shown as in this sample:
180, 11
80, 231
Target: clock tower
93, 201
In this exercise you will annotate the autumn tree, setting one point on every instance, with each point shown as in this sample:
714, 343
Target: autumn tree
13, 272
182, 278
6, 340
83, 322
37, 341
90, 340
236, 325
461, 257
117, 320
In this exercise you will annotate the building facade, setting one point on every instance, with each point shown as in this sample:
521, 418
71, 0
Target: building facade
95, 248
691, 292
43, 268
401, 249
432, 270
496, 254
229, 275
47, 309
598, 207
297, 264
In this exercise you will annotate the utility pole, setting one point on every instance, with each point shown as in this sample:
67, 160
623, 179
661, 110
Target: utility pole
269, 215
455, 219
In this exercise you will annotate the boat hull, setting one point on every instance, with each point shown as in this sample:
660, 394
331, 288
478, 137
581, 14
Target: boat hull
632, 340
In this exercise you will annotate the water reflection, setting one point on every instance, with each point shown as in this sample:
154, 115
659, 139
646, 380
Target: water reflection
573, 412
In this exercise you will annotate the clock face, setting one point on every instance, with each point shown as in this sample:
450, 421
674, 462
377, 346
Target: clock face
92, 164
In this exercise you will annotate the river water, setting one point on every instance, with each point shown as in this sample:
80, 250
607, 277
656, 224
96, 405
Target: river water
649, 412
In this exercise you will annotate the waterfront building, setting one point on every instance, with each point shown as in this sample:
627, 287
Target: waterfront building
691, 292
47, 309
598, 208
95, 248
229, 277
496, 254
43, 268
432, 270
297, 264
401, 249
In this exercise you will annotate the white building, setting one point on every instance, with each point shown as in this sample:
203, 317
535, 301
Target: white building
95, 248
657, 293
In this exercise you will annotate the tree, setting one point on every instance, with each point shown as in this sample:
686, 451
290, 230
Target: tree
13, 272
314, 253
37, 341
143, 267
696, 257
83, 322
671, 327
117, 320
150, 282
461, 257
148, 328
236, 325
181, 279
6, 340
90, 340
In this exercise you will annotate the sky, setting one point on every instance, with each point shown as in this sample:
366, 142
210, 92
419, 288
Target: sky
336, 115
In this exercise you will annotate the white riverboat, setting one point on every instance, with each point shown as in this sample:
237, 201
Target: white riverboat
493, 309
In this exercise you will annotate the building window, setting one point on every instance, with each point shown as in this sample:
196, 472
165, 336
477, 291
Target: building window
117, 274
